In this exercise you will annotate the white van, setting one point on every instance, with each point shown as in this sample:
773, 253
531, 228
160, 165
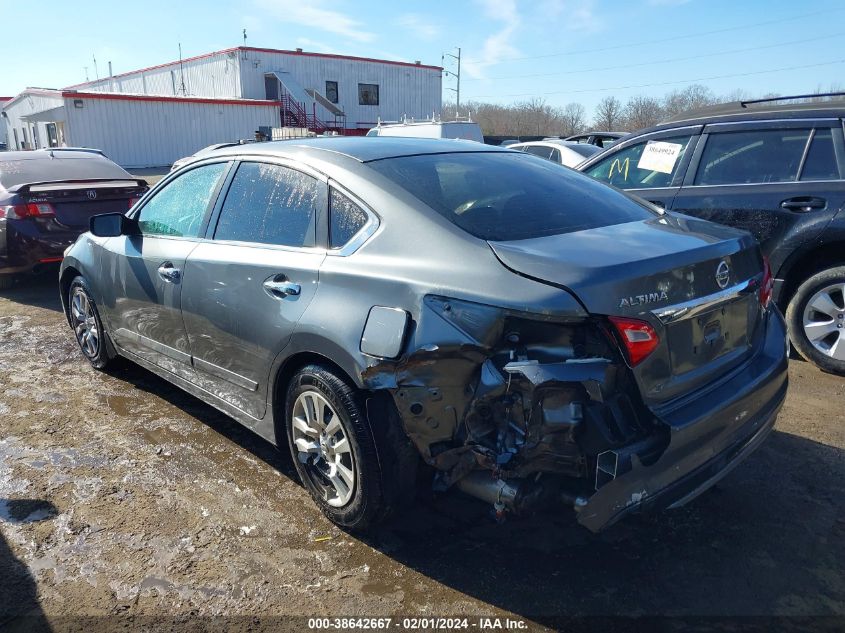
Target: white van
467, 130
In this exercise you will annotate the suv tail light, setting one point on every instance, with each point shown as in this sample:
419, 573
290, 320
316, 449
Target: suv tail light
767, 284
638, 338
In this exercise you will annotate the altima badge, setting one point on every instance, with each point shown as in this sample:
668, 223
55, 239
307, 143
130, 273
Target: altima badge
92, 194
723, 274
641, 300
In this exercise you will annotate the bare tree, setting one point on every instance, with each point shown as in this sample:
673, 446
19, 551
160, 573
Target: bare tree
573, 119
689, 98
642, 111
608, 115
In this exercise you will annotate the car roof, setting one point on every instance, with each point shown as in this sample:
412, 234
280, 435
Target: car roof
361, 148
752, 111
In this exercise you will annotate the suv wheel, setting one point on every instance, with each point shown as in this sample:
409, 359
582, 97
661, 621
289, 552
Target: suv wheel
334, 449
86, 324
816, 318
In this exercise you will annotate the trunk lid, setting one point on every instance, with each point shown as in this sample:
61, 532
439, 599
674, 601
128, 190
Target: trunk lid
76, 202
695, 282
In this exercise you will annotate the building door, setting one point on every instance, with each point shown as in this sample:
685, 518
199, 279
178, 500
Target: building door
271, 88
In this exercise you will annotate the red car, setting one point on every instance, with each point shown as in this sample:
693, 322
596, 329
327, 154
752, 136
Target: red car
47, 198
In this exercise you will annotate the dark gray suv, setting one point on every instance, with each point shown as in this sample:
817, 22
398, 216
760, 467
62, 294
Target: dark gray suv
535, 337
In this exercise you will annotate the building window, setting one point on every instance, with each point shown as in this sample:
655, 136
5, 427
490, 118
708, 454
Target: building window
331, 91
367, 94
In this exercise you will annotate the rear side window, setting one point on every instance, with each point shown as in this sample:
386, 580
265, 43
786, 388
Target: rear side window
178, 209
649, 164
345, 219
821, 159
269, 204
503, 196
758, 156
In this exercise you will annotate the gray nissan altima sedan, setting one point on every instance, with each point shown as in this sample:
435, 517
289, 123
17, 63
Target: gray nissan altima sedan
534, 337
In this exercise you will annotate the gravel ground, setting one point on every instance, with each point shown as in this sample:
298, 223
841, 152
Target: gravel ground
123, 496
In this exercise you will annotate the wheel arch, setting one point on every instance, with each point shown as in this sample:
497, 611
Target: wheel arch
69, 273
285, 371
797, 270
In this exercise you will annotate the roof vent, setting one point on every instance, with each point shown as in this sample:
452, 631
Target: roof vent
418, 62
298, 50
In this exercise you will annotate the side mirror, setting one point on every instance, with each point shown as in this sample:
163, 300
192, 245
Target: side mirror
110, 225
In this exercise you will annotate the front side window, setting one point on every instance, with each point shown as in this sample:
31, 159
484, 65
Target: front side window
821, 159
269, 204
645, 165
179, 208
367, 94
345, 219
505, 196
758, 156
331, 91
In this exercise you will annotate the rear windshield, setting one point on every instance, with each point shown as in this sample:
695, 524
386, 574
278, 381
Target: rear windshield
585, 149
18, 171
502, 196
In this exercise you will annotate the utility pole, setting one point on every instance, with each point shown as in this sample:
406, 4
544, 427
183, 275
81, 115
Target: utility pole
86, 72
96, 72
457, 76
244, 37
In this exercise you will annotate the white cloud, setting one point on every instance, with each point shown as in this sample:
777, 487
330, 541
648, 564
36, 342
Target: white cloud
504, 10
421, 26
314, 14
573, 15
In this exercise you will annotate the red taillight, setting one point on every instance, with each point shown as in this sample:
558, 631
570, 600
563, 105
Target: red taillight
13, 211
39, 209
767, 284
31, 210
638, 337
132, 202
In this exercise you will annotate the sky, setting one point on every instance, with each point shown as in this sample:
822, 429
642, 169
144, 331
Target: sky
512, 50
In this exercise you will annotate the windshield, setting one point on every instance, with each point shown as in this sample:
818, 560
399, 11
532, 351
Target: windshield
503, 196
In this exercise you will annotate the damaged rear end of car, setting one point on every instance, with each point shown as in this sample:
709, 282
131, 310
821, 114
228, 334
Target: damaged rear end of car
671, 373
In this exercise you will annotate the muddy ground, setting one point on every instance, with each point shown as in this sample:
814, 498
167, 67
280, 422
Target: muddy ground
122, 496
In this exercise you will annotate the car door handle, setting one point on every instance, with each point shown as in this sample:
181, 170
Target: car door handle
804, 204
169, 273
279, 287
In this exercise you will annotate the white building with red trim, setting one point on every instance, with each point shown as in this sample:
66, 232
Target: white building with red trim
151, 117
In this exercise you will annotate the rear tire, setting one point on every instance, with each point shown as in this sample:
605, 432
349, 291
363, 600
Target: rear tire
345, 466
87, 325
816, 319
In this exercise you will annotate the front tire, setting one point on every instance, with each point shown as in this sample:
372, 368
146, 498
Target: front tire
816, 319
87, 325
333, 448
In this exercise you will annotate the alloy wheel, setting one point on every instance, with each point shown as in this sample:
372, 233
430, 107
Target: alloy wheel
85, 323
824, 321
322, 445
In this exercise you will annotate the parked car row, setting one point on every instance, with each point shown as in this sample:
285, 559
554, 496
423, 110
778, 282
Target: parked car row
534, 337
